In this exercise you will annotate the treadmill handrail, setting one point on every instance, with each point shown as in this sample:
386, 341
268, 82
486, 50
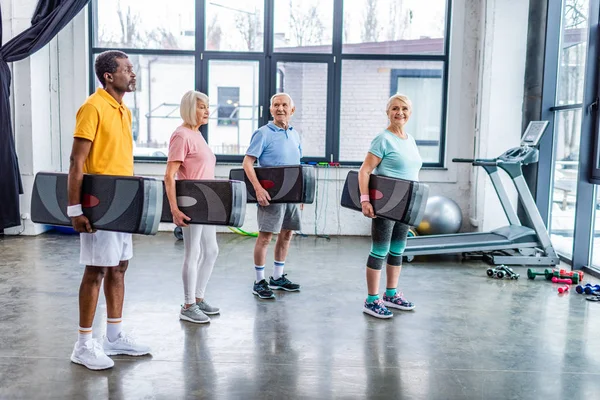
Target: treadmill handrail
486, 163
463, 160
478, 161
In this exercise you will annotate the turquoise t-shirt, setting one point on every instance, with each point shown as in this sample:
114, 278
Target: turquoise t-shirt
400, 158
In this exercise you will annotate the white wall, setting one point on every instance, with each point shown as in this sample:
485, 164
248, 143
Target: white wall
491, 65
31, 111
499, 112
43, 103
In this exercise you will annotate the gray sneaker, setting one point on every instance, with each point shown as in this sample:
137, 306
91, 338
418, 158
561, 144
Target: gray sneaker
193, 314
207, 308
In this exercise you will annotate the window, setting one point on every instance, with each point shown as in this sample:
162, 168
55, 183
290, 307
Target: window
394, 27
233, 93
339, 60
161, 81
228, 105
233, 25
366, 87
425, 89
303, 26
132, 24
306, 83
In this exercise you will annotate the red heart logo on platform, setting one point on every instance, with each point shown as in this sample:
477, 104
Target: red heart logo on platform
375, 194
90, 201
267, 184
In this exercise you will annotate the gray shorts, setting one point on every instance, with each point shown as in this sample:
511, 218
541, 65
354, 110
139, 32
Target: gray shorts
275, 217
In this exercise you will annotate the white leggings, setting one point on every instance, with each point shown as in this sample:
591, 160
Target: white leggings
201, 251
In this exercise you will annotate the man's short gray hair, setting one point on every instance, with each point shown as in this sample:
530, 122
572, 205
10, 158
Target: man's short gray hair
282, 94
187, 108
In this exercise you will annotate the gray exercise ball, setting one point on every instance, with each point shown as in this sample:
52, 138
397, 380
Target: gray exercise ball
442, 216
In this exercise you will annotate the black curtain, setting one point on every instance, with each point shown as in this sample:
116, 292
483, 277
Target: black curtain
49, 18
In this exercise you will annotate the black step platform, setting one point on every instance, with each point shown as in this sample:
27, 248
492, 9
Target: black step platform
394, 199
285, 184
129, 204
209, 202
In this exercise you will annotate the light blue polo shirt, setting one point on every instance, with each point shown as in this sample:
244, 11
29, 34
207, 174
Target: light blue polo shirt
400, 158
273, 146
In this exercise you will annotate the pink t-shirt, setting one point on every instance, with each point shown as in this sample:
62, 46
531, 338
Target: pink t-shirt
189, 147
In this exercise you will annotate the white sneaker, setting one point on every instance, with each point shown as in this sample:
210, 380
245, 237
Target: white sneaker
125, 344
91, 355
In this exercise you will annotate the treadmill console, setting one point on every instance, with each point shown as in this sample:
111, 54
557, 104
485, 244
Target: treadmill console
527, 153
534, 133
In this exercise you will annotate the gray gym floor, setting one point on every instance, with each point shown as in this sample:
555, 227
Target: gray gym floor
470, 337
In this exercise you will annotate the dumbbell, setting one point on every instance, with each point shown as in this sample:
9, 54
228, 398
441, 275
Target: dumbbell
588, 287
563, 289
561, 280
531, 274
502, 271
572, 273
592, 289
575, 276
509, 272
565, 273
495, 273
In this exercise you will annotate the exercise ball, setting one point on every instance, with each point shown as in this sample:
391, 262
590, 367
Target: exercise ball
442, 216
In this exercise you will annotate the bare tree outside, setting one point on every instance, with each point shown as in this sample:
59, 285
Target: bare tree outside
400, 19
395, 27
214, 34
306, 25
371, 29
347, 24
131, 33
249, 26
572, 72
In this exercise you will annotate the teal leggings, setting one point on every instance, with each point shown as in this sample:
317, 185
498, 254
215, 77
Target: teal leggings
388, 241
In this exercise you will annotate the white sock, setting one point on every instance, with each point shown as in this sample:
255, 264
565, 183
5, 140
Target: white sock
260, 272
113, 328
278, 269
84, 335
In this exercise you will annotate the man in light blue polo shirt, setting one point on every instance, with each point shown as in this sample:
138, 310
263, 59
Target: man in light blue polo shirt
274, 144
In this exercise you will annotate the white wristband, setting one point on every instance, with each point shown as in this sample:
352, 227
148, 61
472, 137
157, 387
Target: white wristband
74, 211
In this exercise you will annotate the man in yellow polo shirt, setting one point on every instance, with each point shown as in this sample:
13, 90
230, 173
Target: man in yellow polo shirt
103, 144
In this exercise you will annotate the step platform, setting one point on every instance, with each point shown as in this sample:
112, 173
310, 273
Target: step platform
130, 204
285, 184
394, 199
209, 202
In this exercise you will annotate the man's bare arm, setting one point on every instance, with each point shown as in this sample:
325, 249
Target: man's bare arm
262, 196
79, 153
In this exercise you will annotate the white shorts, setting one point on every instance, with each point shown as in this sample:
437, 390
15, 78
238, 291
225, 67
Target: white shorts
105, 249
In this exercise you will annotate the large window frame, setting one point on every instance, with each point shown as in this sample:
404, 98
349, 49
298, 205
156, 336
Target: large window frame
586, 190
268, 59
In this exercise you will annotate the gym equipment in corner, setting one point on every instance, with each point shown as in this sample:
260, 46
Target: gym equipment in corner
513, 244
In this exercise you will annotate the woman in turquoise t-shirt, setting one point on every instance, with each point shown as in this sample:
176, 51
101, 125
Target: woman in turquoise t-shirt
393, 153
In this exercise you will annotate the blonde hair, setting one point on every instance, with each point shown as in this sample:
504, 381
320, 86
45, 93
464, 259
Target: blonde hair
403, 98
187, 108
282, 94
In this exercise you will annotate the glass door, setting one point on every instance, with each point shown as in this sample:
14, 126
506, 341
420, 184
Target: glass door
234, 87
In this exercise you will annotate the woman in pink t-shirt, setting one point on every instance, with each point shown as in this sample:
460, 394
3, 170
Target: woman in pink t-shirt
191, 158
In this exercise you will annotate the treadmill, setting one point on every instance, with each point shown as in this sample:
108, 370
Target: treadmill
514, 244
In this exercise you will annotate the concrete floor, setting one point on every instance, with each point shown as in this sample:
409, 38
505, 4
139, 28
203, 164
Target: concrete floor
470, 337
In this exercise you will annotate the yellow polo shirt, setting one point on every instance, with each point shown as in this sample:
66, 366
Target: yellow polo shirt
107, 124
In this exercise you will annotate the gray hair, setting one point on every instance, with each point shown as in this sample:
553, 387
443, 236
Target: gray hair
403, 98
282, 94
187, 108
